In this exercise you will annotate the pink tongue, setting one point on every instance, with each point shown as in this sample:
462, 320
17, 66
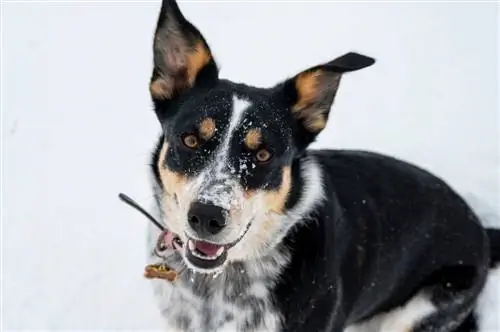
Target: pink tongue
168, 239
208, 249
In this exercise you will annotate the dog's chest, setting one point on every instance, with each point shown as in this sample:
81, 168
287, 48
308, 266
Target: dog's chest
229, 302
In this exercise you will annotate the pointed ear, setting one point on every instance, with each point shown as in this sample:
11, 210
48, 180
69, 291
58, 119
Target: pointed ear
310, 94
182, 58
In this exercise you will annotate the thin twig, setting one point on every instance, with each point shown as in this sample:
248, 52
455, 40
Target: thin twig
135, 205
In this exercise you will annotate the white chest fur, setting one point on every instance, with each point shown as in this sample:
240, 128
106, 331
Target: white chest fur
201, 304
236, 300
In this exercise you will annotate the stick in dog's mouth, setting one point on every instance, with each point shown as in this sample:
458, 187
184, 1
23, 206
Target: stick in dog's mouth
161, 271
129, 201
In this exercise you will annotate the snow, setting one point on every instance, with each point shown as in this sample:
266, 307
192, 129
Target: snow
78, 128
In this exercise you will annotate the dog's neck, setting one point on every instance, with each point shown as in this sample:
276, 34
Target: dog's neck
236, 276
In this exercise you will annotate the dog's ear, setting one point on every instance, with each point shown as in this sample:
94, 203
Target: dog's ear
182, 57
310, 94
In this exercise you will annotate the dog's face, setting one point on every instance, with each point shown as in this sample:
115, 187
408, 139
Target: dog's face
224, 162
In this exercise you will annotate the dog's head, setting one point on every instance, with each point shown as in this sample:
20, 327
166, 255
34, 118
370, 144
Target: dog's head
224, 163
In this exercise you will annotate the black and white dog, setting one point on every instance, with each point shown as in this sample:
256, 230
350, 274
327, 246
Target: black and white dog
279, 237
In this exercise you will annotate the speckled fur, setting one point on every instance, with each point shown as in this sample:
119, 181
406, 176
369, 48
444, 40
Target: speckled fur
236, 300
239, 298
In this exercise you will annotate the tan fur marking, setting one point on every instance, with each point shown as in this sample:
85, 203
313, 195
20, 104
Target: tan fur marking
268, 223
315, 123
253, 138
161, 89
307, 85
275, 200
178, 59
207, 128
172, 182
196, 60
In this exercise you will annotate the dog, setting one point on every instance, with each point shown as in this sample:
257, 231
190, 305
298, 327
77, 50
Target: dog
275, 236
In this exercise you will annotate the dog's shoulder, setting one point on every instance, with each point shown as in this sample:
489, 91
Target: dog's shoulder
372, 180
343, 164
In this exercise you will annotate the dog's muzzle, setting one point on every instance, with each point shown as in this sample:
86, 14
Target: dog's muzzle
206, 220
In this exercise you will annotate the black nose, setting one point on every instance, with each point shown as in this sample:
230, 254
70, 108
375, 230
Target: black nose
206, 219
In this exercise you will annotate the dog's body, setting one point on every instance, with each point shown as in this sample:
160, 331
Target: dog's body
278, 237
362, 250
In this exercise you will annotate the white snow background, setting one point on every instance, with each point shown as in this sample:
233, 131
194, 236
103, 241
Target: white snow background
78, 127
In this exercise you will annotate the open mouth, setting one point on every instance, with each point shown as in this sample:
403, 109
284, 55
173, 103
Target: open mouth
209, 256
206, 255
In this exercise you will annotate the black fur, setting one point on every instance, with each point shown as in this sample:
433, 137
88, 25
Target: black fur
494, 235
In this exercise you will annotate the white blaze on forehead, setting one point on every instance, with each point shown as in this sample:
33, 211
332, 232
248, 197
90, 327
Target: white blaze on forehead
239, 107
217, 183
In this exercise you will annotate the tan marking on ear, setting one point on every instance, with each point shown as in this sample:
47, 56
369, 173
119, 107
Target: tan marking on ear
161, 89
207, 128
315, 122
178, 60
172, 182
196, 59
307, 85
316, 91
253, 138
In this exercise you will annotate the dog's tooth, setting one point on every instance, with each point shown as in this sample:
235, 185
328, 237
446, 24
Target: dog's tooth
219, 252
191, 245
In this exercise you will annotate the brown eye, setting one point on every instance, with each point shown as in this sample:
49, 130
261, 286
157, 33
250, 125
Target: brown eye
263, 155
191, 141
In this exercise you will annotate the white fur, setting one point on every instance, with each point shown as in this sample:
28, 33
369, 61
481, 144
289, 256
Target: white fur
401, 319
404, 318
239, 107
313, 186
218, 171
176, 299
370, 325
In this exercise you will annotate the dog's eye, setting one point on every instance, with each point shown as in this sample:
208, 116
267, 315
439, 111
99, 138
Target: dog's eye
263, 155
190, 140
